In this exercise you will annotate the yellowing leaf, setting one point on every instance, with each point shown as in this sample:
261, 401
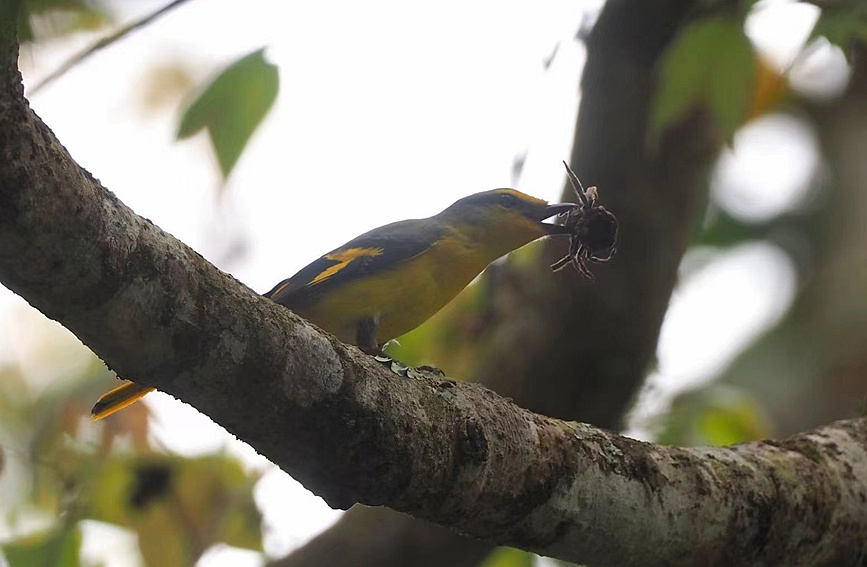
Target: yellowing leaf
508, 557
232, 106
163, 539
164, 85
735, 423
714, 414
709, 65
216, 492
770, 89
179, 507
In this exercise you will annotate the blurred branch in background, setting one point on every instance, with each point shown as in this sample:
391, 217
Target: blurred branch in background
564, 331
811, 368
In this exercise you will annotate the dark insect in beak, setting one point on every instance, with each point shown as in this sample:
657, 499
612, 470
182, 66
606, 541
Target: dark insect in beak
592, 230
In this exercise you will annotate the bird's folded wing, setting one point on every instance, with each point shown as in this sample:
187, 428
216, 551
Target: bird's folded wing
373, 252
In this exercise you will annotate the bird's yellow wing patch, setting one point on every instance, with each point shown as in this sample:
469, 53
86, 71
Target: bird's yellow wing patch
343, 258
380, 249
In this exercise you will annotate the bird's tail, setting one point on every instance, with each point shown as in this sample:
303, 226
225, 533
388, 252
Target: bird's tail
117, 399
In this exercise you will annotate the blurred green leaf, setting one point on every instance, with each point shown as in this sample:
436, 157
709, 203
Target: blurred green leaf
163, 541
179, 507
232, 106
45, 19
52, 548
710, 64
732, 424
73, 468
842, 25
714, 414
242, 527
721, 229
508, 557
216, 491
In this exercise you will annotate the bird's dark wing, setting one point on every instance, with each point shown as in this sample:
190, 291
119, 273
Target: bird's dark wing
372, 252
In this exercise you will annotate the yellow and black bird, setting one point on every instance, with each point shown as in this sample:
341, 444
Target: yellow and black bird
390, 280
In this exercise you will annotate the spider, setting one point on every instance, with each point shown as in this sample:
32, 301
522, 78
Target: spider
594, 230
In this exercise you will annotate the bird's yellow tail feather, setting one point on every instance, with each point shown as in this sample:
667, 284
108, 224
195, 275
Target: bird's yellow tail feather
117, 399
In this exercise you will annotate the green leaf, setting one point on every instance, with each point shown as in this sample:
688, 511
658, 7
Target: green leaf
178, 506
709, 65
732, 424
232, 106
508, 557
52, 548
216, 489
714, 414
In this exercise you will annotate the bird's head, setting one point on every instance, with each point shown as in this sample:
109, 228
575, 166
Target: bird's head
502, 220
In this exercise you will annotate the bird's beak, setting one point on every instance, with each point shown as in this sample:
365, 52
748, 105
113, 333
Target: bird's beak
554, 210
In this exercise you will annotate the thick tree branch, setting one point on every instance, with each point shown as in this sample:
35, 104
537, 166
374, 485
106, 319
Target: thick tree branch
352, 431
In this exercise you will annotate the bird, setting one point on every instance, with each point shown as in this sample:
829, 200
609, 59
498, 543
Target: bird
391, 279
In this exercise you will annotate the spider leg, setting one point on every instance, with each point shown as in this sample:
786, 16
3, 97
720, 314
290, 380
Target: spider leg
611, 254
575, 247
599, 259
580, 263
561, 263
577, 186
579, 251
603, 259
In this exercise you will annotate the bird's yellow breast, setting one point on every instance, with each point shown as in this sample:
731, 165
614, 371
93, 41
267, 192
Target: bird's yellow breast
402, 297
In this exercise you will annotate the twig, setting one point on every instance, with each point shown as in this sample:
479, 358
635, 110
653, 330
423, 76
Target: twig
102, 43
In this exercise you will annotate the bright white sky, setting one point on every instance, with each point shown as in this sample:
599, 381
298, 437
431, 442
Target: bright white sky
387, 110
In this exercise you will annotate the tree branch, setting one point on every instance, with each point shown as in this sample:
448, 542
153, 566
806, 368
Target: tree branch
102, 43
352, 431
